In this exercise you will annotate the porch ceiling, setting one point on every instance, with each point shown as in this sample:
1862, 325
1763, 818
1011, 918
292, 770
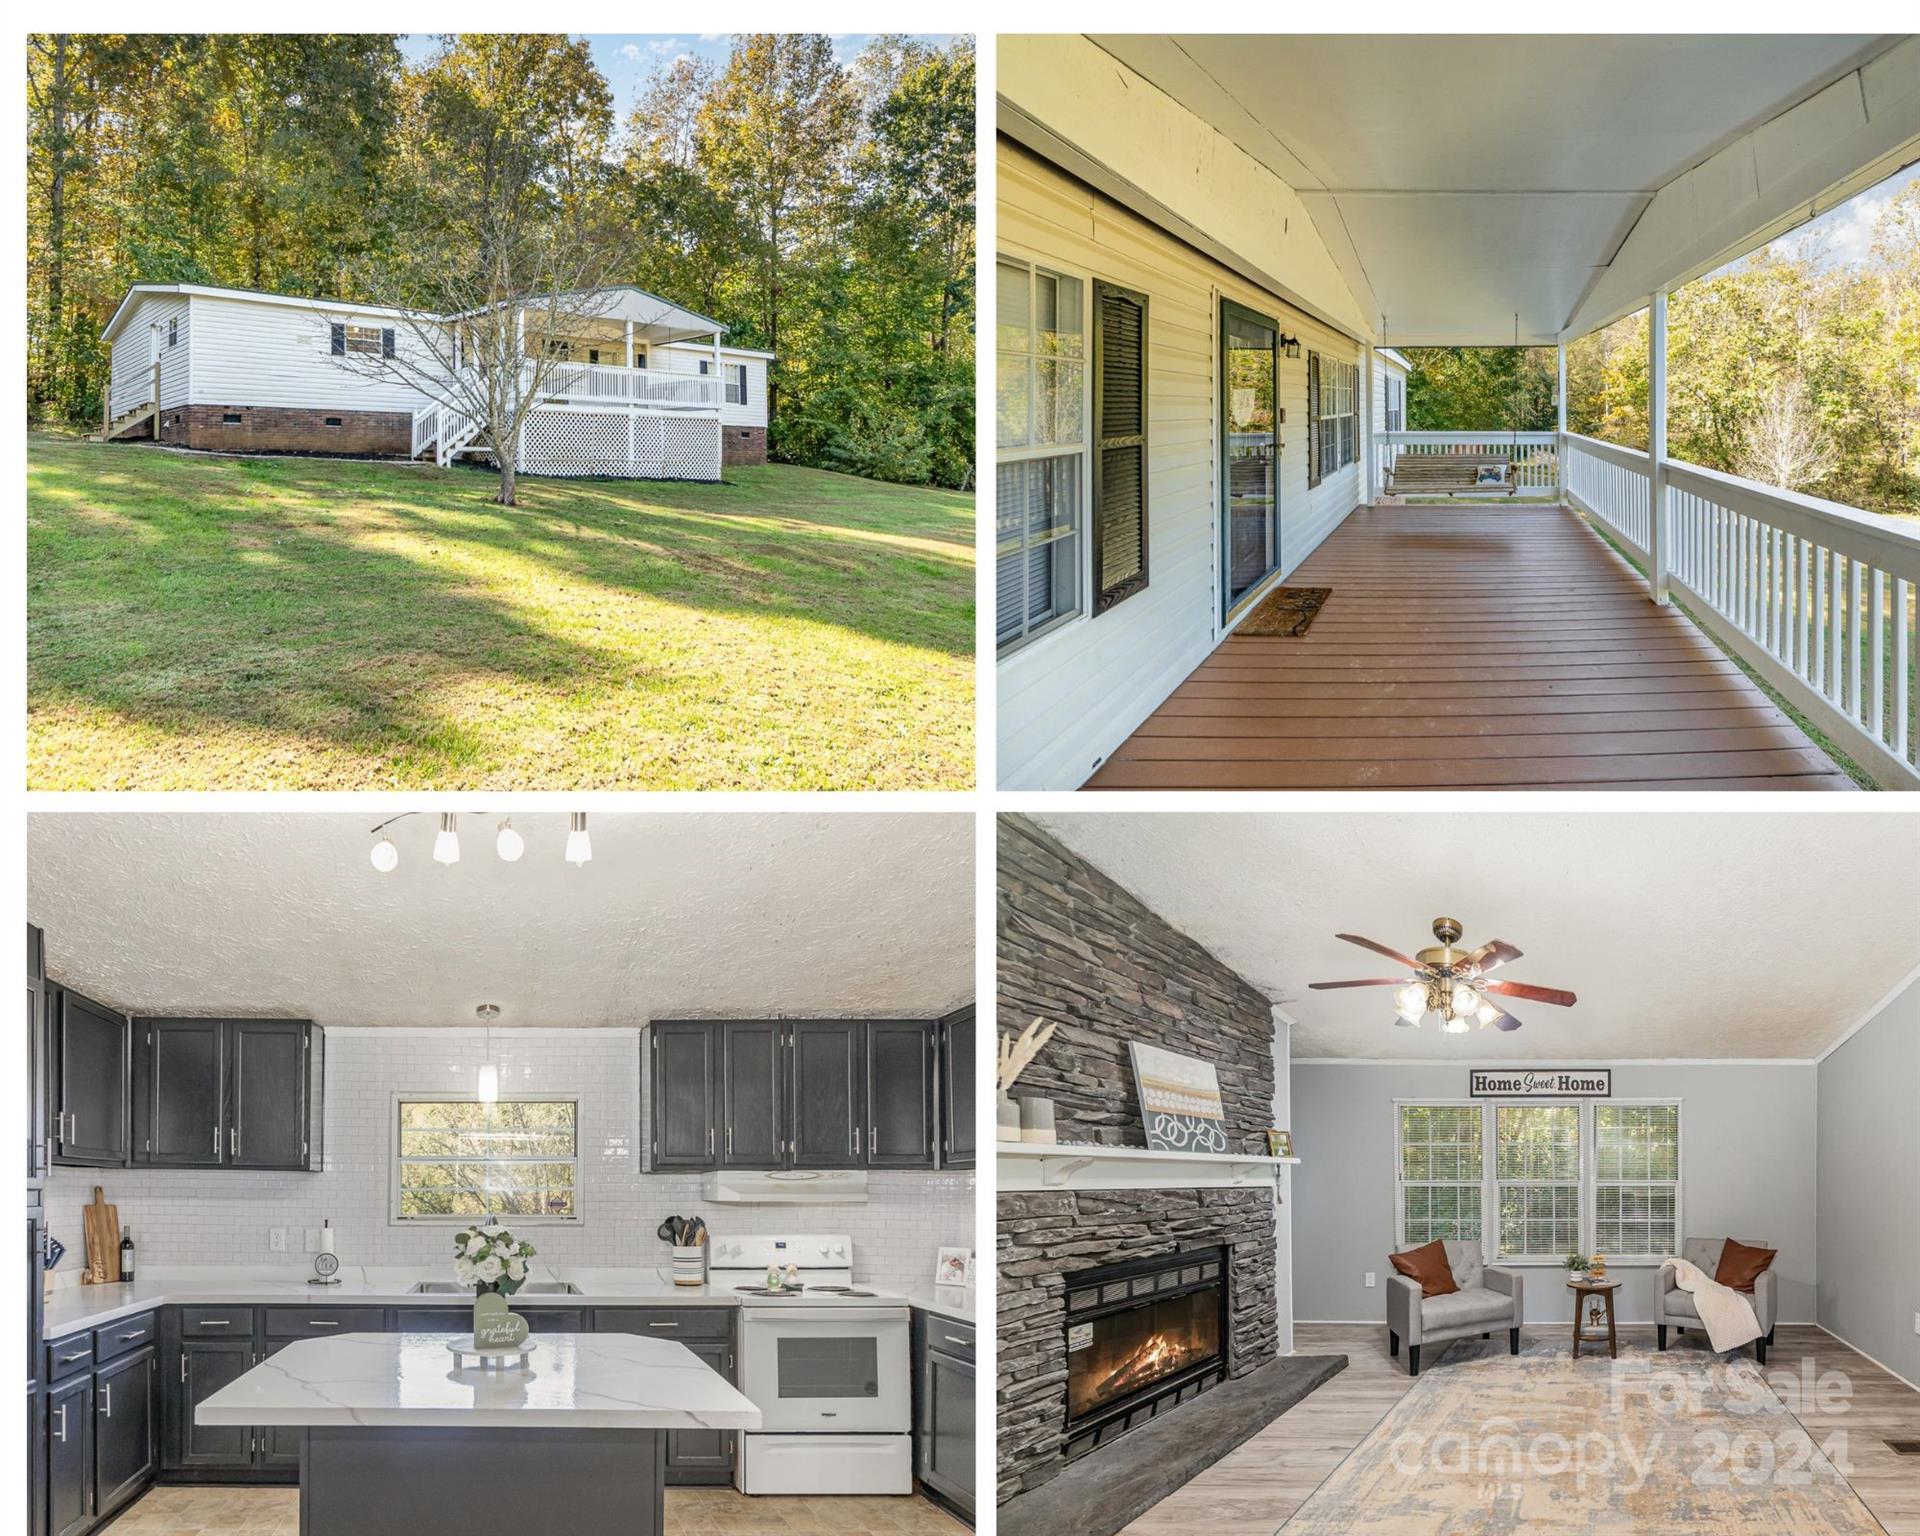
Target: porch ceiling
1463, 181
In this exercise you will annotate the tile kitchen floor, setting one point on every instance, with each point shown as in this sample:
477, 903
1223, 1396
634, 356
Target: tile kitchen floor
690, 1512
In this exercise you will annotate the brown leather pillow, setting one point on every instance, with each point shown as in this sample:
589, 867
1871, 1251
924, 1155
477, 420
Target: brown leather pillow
1428, 1264
1740, 1265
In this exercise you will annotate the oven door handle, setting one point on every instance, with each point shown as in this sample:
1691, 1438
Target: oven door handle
823, 1317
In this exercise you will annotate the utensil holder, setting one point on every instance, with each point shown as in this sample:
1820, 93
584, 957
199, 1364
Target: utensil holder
690, 1265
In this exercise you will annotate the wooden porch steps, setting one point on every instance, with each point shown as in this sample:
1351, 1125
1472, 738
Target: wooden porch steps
1471, 647
139, 415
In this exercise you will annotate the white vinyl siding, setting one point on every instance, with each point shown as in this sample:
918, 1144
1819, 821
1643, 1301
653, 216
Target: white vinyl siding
1068, 698
143, 337
687, 357
250, 353
1439, 1178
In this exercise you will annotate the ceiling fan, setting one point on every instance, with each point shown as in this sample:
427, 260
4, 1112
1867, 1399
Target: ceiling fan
1452, 983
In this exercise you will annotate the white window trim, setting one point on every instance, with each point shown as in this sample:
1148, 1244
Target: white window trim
1582, 1187
395, 1219
1489, 1184
1679, 1178
1025, 645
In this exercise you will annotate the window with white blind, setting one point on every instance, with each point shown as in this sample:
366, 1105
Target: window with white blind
1041, 449
1333, 388
458, 1159
1441, 1158
1536, 1158
1551, 1178
1636, 1179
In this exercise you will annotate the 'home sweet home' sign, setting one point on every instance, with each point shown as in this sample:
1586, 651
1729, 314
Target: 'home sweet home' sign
1555, 1083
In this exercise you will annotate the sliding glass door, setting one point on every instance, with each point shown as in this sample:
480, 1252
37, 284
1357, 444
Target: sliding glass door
1249, 450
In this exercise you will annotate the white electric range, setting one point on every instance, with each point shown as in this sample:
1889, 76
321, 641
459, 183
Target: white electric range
826, 1363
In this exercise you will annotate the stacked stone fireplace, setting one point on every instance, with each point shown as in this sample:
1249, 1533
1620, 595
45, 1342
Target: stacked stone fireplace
1117, 1306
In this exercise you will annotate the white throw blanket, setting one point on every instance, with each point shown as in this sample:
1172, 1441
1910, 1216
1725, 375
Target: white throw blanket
1728, 1316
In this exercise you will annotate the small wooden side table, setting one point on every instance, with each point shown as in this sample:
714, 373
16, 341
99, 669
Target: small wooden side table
1588, 1297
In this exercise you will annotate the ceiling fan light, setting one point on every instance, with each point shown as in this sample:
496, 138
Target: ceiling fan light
1454, 1025
1411, 1000
1487, 1013
1465, 1000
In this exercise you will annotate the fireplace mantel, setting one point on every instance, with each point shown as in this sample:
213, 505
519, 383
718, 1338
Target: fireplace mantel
1027, 1167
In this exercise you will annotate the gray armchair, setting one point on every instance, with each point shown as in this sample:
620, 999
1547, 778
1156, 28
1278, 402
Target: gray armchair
1487, 1299
1674, 1308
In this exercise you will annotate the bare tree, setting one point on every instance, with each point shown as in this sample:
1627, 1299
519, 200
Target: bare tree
1786, 444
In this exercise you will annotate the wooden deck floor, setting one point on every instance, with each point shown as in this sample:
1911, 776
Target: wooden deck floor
1471, 647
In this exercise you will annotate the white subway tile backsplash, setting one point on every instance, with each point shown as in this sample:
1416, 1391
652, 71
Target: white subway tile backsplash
180, 1216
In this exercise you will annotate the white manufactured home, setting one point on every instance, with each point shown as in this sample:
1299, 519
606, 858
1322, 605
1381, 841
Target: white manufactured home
1208, 248
639, 386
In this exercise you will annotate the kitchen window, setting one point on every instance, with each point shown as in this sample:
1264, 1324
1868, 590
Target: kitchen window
1541, 1180
460, 1160
1041, 466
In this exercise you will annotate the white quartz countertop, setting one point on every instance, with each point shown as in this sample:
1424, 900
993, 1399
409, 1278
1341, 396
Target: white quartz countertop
72, 1308
952, 1301
412, 1381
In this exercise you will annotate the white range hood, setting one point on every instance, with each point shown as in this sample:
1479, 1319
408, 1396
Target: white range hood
788, 1186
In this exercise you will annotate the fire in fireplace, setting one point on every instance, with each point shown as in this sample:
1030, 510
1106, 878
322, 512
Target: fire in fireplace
1141, 1338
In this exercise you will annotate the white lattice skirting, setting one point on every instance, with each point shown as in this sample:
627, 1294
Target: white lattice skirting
641, 445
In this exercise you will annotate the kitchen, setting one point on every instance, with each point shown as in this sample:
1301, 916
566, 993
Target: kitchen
706, 1081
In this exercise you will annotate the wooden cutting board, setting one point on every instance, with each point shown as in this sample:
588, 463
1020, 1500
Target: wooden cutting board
102, 1225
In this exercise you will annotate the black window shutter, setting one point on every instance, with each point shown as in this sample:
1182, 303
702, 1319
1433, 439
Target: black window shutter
339, 340
386, 342
1119, 445
743, 382
1313, 418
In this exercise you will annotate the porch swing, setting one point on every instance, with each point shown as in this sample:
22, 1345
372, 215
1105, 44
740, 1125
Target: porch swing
1474, 472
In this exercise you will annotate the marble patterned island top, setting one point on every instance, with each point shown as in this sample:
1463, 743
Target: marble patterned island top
410, 1381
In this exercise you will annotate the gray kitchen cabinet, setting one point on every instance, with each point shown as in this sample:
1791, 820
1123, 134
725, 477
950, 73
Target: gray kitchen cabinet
124, 1450
37, 1048
826, 1093
694, 1456
899, 1092
89, 1074
683, 1069
751, 1123
944, 1410
956, 1076
70, 1485
224, 1093
207, 1365
179, 1092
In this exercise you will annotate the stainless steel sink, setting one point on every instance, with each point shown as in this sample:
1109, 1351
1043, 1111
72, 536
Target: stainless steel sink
531, 1288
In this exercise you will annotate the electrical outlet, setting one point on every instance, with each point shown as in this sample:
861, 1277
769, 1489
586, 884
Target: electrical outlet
1369, 1279
277, 1239
1916, 1322
313, 1239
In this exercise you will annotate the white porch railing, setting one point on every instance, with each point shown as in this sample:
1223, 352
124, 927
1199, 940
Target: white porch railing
600, 383
1816, 597
1534, 472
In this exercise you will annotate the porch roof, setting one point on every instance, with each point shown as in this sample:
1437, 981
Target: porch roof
654, 319
1483, 190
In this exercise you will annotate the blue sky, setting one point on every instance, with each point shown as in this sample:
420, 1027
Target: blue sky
627, 59
1843, 236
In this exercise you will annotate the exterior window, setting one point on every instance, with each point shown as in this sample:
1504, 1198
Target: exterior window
1536, 1153
1440, 1172
736, 383
1041, 449
1395, 413
173, 333
363, 340
1636, 1179
333, 421
593, 354
230, 419
458, 1160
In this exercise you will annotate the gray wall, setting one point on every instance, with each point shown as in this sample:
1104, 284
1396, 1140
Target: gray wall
1747, 1146
1869, 1153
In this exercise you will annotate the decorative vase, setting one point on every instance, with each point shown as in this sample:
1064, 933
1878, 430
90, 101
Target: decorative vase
1036, 1121
495, 1326
1007, 1115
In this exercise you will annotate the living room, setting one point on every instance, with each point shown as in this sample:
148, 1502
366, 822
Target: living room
1279, 1250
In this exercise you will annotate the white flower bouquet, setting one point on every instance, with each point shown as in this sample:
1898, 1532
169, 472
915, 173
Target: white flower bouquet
491, 1259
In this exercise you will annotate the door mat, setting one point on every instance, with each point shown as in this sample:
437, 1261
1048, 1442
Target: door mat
1287, 612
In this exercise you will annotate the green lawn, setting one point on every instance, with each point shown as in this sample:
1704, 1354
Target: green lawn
206, 623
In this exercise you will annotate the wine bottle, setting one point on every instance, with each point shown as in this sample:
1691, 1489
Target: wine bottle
126, 1253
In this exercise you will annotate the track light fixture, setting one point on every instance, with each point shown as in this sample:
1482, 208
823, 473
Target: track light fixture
507, 841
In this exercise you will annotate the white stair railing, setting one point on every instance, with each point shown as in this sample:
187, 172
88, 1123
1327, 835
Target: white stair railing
1817, 597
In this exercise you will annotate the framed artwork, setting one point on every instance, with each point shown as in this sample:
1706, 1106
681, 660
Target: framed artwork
1179, 1100
953, 1266
1279, 1143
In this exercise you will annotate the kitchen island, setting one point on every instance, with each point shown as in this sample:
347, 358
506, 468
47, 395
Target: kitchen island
397, 1440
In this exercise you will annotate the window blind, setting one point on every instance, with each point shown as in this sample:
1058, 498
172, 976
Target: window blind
1636, 1179
1440, 1172
1536, 1155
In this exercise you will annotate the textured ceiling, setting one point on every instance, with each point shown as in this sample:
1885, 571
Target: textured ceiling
1461, 181
1690, 935
730, 914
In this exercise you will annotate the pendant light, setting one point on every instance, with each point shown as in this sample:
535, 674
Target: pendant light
446, 846
385, 856
487, 1086
508, 843
579, 849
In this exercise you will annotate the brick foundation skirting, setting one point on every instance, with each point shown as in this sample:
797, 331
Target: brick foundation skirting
743, 445
282, 429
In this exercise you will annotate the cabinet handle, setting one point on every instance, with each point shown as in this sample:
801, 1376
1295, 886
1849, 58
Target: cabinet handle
233, 1142
729, 1141
856, 1141
663, 1325
183, 1370
873, 1140
216, 1322
216, 1143
69, 1359
106, 1398
317, 1322
63, 1424
961, 1343
709, 1141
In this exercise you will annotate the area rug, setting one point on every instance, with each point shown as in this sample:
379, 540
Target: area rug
1287, 612
1499, 1445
